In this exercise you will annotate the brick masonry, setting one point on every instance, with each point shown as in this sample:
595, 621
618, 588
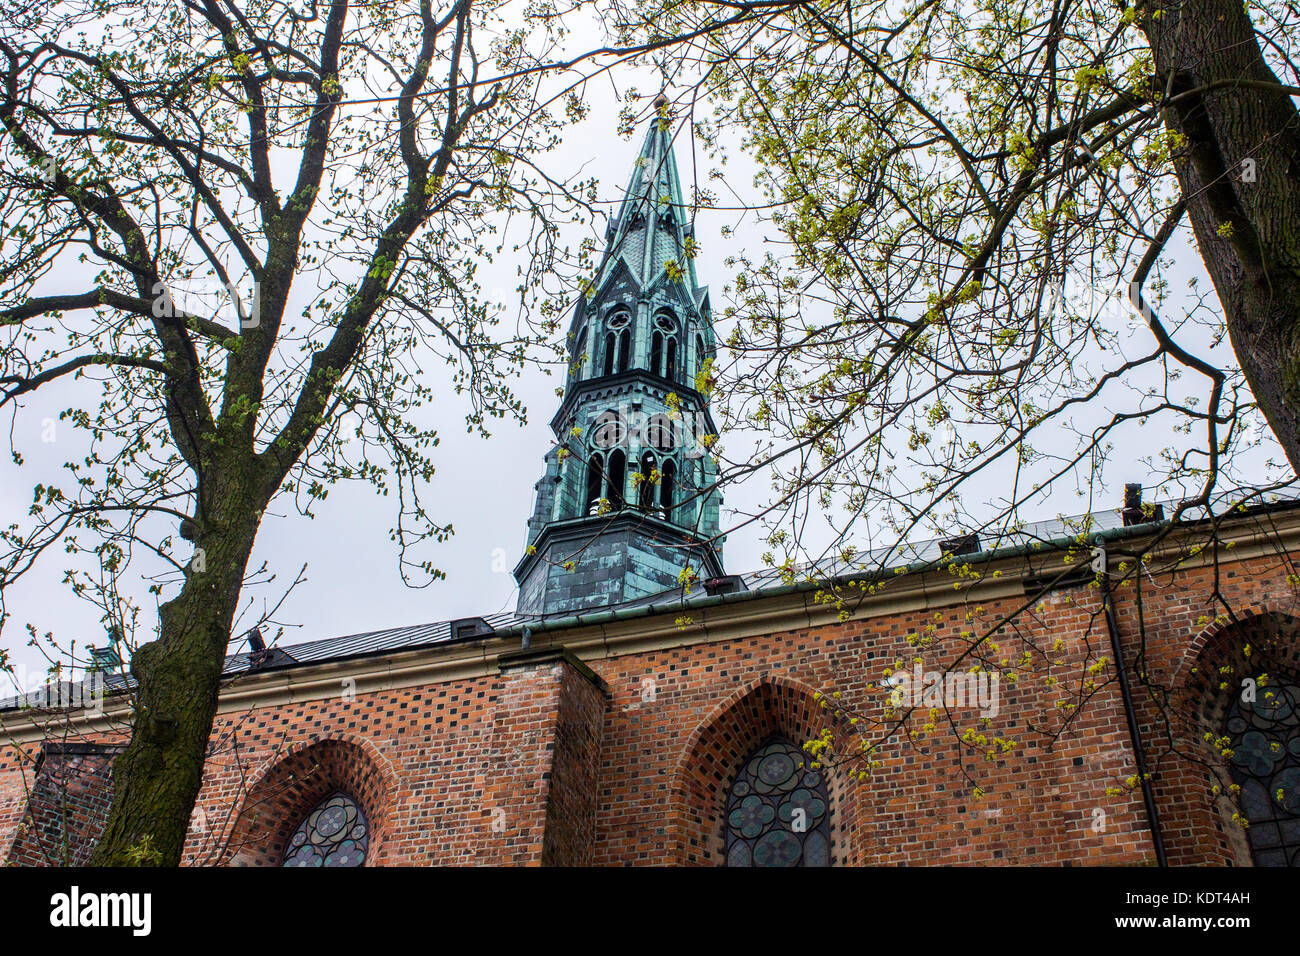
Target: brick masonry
625, 755
70, 789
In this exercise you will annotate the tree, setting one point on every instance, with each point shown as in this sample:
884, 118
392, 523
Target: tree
968, 203
249, 228
936, 175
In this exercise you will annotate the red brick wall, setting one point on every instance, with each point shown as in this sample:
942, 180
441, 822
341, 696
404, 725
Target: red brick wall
545, 762
16, 778
539, 797
1188, 663
68, 803
460, 772
669, 763
307, 773
569, 837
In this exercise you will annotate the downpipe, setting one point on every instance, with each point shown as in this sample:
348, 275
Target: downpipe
1100, 566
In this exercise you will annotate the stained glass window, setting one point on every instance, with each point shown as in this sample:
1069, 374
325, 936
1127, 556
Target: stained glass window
1265, 744
335, 833
777, 812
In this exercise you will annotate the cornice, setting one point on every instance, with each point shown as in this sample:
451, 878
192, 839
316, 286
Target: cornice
603, 387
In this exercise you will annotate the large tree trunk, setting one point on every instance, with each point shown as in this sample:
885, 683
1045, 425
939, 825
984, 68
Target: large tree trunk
156, 779
1248, 231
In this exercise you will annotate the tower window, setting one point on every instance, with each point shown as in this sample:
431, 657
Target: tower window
699, 352
624, 349
618, 341
1265, 745
663, 346
659, 433
335, 833
610, 346
595, 477
609, 430
777, 812
579, 353
646, 493
617, 479
667, 489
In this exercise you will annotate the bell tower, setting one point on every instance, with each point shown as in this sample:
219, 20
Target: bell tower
628, 501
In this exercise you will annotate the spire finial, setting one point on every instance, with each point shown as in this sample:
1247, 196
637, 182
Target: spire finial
661, 100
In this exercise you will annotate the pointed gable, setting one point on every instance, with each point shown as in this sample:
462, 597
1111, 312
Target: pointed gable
653, 221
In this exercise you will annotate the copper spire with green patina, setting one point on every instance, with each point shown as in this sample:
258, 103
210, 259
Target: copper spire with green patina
628, 507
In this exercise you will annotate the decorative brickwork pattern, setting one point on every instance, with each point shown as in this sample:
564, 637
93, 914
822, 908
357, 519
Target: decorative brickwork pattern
295, 784
1200, 828
724, 741
661, 788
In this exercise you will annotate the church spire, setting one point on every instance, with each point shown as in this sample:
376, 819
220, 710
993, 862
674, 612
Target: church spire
653, 225
628, 501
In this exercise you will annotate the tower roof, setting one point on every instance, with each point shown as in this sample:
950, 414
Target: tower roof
653, 221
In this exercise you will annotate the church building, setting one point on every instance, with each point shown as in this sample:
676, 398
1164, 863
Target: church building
645, 705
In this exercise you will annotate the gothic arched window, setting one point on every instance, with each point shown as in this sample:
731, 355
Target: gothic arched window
618, 341
777, 811
624, 349
595, 476
1265, 743
610, 346
699, 352
609, 430
659, 433
667, 489
617, 478
663, 346
334, 833
646, 496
